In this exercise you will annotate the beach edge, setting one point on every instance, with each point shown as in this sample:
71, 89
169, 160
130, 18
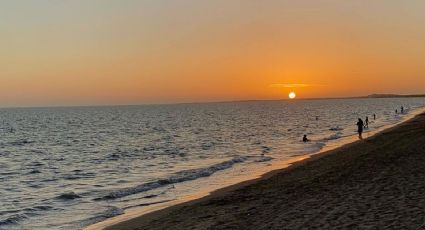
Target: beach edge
135, 220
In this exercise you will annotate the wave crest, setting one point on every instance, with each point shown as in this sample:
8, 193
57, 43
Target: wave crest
178, 177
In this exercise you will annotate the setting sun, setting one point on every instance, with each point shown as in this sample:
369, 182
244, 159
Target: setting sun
145, 99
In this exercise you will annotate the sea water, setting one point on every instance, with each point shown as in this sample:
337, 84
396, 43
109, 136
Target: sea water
66, 168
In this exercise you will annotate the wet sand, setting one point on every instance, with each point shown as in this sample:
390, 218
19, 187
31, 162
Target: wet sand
375, 183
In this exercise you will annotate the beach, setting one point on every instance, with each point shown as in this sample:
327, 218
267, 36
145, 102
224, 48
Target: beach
105, 165
372, 183
212, 115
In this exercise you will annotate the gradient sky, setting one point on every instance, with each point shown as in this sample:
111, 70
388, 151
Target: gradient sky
79, 52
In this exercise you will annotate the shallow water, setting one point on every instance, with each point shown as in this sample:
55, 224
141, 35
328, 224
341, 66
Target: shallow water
66, 168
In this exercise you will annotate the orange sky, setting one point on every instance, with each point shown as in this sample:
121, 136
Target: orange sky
156, 51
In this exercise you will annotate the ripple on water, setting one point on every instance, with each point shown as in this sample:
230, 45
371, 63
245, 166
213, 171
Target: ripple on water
12, 220
68, 196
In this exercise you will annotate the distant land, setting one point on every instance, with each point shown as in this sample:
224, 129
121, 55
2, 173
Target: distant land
230, 101
314, 98
368, 96
394, 95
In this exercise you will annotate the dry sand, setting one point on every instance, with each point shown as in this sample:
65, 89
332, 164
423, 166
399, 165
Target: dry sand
377, 183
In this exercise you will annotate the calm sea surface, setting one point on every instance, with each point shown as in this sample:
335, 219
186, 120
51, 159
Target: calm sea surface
66, 168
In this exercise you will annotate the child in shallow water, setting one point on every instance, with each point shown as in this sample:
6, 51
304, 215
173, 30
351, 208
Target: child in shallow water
305, 139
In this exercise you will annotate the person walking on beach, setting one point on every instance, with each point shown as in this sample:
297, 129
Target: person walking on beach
360, 126
402, 110
366, 122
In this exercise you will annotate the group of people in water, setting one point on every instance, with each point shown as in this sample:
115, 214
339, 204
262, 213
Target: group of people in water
361, 125
364, 125
401, 110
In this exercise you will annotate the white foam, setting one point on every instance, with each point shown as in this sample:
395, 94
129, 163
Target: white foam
185, 175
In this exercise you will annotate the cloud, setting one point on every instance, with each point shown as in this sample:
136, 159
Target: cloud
293, 85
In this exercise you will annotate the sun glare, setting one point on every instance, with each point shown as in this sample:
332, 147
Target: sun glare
292, 95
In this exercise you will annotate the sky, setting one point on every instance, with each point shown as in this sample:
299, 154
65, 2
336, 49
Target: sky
79, 52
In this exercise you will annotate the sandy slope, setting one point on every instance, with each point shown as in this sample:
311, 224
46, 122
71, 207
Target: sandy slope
375, 183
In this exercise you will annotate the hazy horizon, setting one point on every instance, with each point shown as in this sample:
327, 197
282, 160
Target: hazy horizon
206, 102
68, 53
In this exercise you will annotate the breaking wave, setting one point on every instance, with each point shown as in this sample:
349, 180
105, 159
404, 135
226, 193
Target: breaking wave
178, 177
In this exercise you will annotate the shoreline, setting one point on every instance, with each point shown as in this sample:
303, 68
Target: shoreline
136, 218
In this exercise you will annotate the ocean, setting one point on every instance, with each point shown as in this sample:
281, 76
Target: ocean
67, 168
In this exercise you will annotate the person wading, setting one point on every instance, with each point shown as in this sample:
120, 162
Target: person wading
360, 126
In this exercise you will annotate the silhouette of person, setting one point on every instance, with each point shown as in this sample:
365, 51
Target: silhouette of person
396, 111
360, 126
305, 139
374, 116
402, 109
366, 122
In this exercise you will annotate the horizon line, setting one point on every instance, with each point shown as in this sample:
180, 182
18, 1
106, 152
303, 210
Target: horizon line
371, 96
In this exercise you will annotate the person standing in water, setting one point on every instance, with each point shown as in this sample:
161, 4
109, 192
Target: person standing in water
366, 122
402, 110
374, 116
360, 126
305, 139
